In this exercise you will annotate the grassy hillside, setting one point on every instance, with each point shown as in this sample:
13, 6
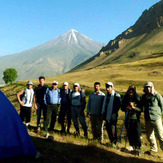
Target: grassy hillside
140, 41
148, 45
67, 148
122, 75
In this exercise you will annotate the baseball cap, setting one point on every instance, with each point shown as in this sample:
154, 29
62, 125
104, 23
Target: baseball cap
109, 84
148, 84
55, 82
65, 83
77, 84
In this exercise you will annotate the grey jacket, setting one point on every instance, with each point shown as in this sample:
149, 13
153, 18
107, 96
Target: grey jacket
95, 103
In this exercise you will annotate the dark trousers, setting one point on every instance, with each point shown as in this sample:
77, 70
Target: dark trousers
65, 113
112, 132
25, 113
51, 113
41, 107
76, 112
134, 133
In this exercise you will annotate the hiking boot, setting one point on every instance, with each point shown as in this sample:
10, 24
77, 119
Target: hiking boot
47, 135
140, 152
129, 148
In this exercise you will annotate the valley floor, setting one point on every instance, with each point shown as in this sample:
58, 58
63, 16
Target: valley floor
69, 149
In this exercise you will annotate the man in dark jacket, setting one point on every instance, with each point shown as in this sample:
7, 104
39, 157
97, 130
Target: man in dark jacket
39, 100
111, 105
153, 109
132, 106
65, 109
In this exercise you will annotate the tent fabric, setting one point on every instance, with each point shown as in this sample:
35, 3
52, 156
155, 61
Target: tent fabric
14, 138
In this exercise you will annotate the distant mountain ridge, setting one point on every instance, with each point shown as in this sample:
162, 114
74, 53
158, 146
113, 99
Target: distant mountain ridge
52, 58
140, 41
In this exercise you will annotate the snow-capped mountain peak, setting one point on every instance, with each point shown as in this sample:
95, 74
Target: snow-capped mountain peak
72, 35
53, 57
71, 38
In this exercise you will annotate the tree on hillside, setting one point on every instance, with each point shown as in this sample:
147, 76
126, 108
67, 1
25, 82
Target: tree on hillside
10, 75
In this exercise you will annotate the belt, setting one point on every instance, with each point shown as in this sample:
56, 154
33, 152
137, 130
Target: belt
76, 105
52, 104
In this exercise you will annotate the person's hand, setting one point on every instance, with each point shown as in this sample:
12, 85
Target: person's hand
88, 114
21, 103
128, 107
132, 105
33, 110
35, 106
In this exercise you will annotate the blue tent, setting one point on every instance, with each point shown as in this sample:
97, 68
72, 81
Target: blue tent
14, 138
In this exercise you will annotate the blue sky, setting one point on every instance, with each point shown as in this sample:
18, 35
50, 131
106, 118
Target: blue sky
28, 23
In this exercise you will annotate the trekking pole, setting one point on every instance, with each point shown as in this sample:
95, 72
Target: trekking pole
119, 139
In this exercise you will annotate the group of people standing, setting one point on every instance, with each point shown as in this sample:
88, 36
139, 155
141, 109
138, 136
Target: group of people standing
101, 108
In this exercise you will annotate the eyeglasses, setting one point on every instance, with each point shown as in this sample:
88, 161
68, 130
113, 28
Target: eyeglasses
54, 84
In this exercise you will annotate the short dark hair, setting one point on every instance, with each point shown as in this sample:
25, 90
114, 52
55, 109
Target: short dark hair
97, 83
41, 77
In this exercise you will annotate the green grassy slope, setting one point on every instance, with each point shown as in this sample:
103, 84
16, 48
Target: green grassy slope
122, 75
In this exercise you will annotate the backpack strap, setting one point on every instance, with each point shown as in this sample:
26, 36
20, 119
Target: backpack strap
59, 94
47, 94
81, 99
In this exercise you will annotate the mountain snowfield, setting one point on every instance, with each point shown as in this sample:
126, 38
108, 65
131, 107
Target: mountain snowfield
52, 58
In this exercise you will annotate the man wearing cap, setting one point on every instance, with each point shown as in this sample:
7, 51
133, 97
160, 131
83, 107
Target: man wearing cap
25, 98
94, 108
39, 100
78, 103
110, 108
153, 109
65, 108
52, 100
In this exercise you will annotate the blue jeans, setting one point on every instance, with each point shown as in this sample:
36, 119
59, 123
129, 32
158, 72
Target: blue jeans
76, 113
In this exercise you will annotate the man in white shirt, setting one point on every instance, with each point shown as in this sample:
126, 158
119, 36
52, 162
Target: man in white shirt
25, 98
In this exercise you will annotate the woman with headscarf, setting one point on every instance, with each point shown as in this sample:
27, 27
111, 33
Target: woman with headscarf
132, 106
